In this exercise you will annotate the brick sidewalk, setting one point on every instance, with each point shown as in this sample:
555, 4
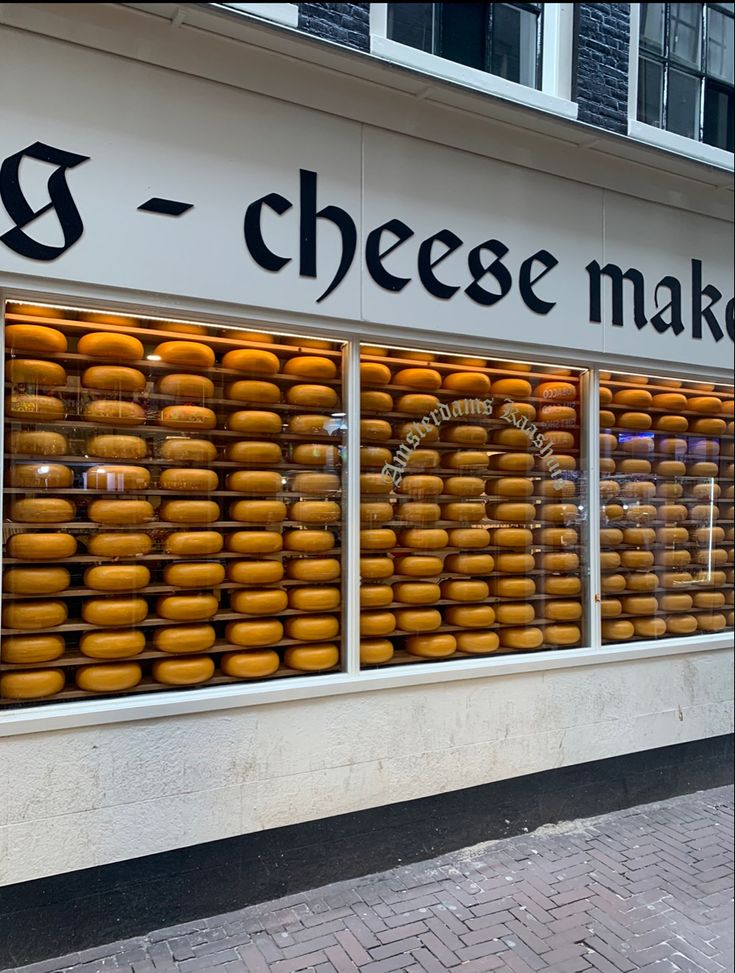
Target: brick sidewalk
647, 889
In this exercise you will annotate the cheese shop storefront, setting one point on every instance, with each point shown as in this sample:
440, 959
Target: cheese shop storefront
341, 466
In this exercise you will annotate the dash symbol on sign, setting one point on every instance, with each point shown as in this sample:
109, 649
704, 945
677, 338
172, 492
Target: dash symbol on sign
165, 207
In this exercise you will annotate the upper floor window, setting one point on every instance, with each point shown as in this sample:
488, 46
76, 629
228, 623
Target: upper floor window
685, 70
502, 39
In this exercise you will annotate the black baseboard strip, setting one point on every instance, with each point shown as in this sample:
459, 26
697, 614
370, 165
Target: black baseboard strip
65, 913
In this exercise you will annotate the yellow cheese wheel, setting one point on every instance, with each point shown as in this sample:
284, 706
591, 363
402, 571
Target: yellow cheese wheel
466, 459
39, 443
469, 616
560, 439
704, 447
471, 590
319, 454
188, 480
41, 546
427, 434
310, 366
515, 614
117, 478
254, 453
418, 565
121, 511
476, 564
99, 317
321, 396
250, 665
179, 327
672, 512
463, 512
424, 538
415, 592
513, 587
607, 419
29, 649
113, 644
559, 414
708, 535
560, 634
642, 581
314, 569
41, 510
34, 615
670, 468
254, 572
706, 491
182, 385
427, 379
262, 337
635, 420
558, 561
510, 512
378, 539
512, 537
639, 605
511, 438
513, 388
313, 483
318, 598
469, 537
310, 628
182, 450
183, 672
635, 466
617, 630
36, 581
417, 485
315, 511
675, 579
670, 491
681, 624
253, 361
641, 445
32, 684
610, 607
637, 398
319, 425
519, 409
711, 623
707, 404
422, 459
417, 404
639, 536
477, 643
376, 568
373, 652
464, 361
677, 602
309, 541
188, 353
376, 402
188, 543
562, 611
515, 563
123, 544
114, 611
649, 627
512, 486
612, 584
373, 373
564, 488
641, 513
114, 378
117, 577
703, 469
34, 408
467, 383
704, 511
111, 345
606, 395
670, 401
375, 483
462, 435
190, 417
709, 599
374, 595
31, 371
371, 430
256, 511
206, 574
34, 337
671, 424
611, 536
117, 447
557, 536
187, 608
311, 658
558, 513
672, 446
609, 560
431, 646
521, 638
377, 623
639, 489
114, 412
374, 456
37, 310
259, 601
608, 442
418, 619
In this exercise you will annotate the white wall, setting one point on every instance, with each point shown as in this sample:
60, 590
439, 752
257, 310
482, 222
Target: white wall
75, 798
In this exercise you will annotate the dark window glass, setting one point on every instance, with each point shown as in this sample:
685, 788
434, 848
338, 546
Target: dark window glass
650, 92
719, 108
685, 32
412, 23
514, 44
683, 104
652, 26
720, 37
462, 33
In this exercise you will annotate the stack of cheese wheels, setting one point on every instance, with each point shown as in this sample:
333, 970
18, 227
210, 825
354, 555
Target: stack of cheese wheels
665, 520
174, 505
462, 518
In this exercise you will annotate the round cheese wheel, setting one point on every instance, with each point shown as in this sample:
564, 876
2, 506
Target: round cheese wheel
512, 486
705, 403
120, 511
509, 512
559, 513
311, 658
37, 310
467, 383
678, 602
512, 438
34, 408
310, 366
111, 612
639, 489
412, 356
638, 444
254, 361
670, 491
308, 628
373, 373
515, 614
254, 572
427, 379
642, 581
671, 424
99, 317
639, 605
641, 513
375, 651
635, 420
670, 401
513, 587
117, 478
565, 488
375, 595
617, 630
464, 361
183, 672
610, 607
471, 564
638, 398
466, 459
377, 623
521, 638
418, 619
115, 378
376, 568
188, 543
672, 512
30, 371
562, 634
513, 388
464, 486
469, 616
611, 536
187, 608
374, 456
673, 447
639, 536
182, 385
417, 404
607, 419
702, 469
257, 511
189, 480
114, 412
465, 435
427, 434
524, 409
512, 537
416, 592
609, 560
41, 510
471, 590
39, 443
418, 485
179, 327
206, 574
557, 536
672, 535
424, 538
704, 511
562, 611
606, 395
41, 547
675, 579
371, 430
418, 565
376, 402
259, 601
188, 353
182, 450
681, 624
613, 584
463, 512
704, 447
113, 644
477, 643
515, 563
558, 561
711, 623
319, 598
709, 599
36, 581
32, 684
558, 414
19, 650
378, 539
375, 483
117, 577
307, 425
112, 345
319, 454
314, 569
190, 417
608, 442
705, 491
649, 627
250, 665
431, 646
315, 511
635, 466
309, 541
117, 447
670, 468
313, 483
320, 396
34, 337
422, 459
708, 535
469, 537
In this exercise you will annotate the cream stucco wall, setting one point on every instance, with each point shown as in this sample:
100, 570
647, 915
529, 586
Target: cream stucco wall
75, 798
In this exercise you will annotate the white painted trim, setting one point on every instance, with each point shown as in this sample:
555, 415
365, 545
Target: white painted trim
280, 13
554, 96
633, 49
351, 524
590, 461
97, 712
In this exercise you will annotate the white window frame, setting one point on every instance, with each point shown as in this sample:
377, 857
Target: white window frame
280, 13
659, 137
554, 96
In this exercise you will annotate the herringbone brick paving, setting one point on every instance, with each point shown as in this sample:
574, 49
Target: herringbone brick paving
646, 889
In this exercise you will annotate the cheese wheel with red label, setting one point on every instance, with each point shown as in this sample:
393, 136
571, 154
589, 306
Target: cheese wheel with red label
126, 543
34, 408
112, 612
193, 354
250, 665
259, 601
314, 569
188, 543
182, 385
375, 651
617, 630
34, 337
180, 450
471, 590
308, 541
256, 511
321, 396
311, 658
431, 646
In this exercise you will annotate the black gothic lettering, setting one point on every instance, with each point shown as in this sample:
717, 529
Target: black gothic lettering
699, 312
374, 255
309, 215
674, 306
262, 254
478, 270
426, 264
617, 277
525, 281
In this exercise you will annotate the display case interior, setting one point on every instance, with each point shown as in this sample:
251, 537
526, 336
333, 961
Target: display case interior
172, 505
666, 503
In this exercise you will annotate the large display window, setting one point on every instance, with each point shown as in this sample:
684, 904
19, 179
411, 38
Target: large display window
172, 505
666, 504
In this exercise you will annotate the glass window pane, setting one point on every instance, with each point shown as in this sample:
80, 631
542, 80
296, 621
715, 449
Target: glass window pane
514, 44
650, 92
719, 107
463, 31
682, 104
685, 31
411, 23
652, 26
720, 46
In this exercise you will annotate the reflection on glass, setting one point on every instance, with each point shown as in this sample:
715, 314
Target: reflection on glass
683, 104
463, 28
652, 26
411, 23
719, 108
650, 92
685, 28
720, 42
514, 44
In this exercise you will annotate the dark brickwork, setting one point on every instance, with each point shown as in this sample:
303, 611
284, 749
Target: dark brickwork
602, 39
343, 23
